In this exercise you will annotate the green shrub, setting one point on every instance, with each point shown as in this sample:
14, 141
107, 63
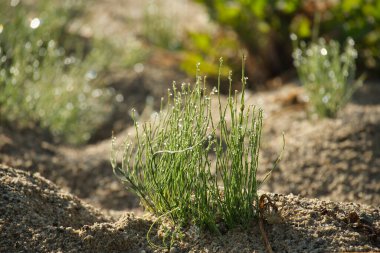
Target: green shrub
49, 76
264, 27
326, 73
206, 49
169, 166
359, 20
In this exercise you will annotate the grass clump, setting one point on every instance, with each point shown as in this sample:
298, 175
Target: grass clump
326, 73
169, 165
159, 28
48, 75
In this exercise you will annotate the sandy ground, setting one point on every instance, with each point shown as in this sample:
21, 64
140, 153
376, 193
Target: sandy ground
63, 199
45, 219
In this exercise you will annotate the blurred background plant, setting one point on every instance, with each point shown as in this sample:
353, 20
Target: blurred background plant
159, 28
264, 26
206, 49
326, 73
50, 76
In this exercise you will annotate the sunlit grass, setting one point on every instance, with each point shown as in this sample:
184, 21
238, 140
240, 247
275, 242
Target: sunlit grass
169, 168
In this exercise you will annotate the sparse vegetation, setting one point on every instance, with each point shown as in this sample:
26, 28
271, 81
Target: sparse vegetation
160, 29
49, 76
169, 168
326, 73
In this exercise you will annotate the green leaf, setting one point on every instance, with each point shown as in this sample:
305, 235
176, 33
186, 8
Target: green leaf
349, 5
227, 14
201, 41
263, 27
287, 6
372, 10
258, 7
301, 26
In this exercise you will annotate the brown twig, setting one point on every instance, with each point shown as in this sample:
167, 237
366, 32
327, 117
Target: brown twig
264, 235
261, 223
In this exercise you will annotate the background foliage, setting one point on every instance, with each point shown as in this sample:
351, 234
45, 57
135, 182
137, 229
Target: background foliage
264, 27
50, 76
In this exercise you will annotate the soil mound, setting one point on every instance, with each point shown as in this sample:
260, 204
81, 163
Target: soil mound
86, 175
31, 207
35, 216
335, 159
308, 225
